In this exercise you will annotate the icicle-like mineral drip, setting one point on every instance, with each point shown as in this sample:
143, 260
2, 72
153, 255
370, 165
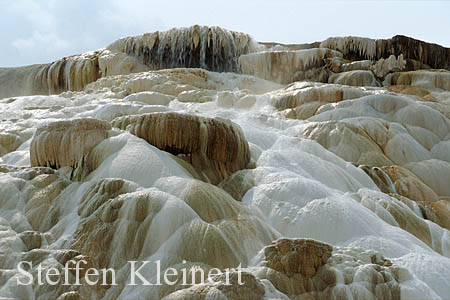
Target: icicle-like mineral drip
211, 48
358, 46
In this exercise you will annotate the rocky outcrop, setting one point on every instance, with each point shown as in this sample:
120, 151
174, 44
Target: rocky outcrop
221, 50
409, 185
32, 239
320, 74
66, 143
380, 68
384, 66
148, 194
353, 48
282, 66
357, 48
399, 180
215, 147
433, 79
211, 48
301, 256
305, 93
308, 269
354, 65
304, 100
71, 73
441, 209
380, 178
434, 55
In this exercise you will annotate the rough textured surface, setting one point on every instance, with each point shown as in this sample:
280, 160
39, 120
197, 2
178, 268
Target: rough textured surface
423, 78
214, 146
383, 227
409, 185
434, 55
334, 275
353, 48
384, 66
283, 66
65, 143
304, 257
211, 48
71, 73
303, 100
354, 78
356, 48
405, 186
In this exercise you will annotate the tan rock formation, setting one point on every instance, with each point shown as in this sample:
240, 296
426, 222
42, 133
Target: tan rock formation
357, 48
31, 239
380, 178
139, 215
174, 82
433, 79
441, 209
71, 73
410, 222
351, 142
304, 257
320, 74
384, 66
324, 273
434, 55
211, 48
306, 98
282, 66
216, 147
409, 185
65, 143
396, 179
353, 48
356, 65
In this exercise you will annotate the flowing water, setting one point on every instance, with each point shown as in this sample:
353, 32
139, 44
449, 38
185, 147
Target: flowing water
193, 167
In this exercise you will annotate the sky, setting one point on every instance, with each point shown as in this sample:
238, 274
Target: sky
41, 31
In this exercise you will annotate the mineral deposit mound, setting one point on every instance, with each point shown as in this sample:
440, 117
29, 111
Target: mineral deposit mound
301, 171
